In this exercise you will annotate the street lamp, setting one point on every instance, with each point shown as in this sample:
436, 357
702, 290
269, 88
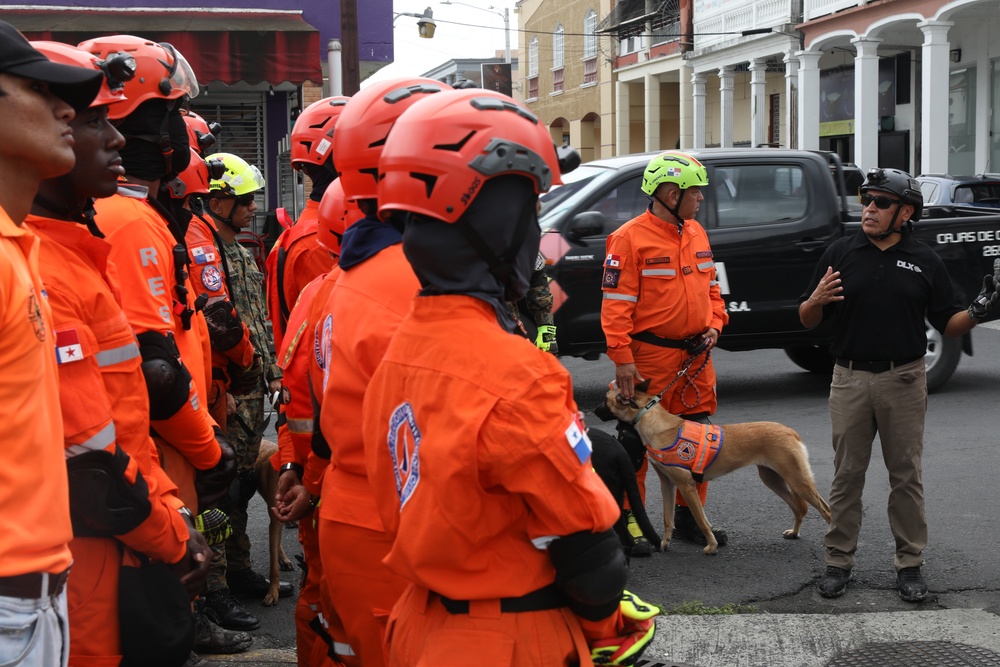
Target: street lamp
506, 22
425, 25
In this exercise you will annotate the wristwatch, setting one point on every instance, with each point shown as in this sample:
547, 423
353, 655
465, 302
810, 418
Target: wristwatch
291, 466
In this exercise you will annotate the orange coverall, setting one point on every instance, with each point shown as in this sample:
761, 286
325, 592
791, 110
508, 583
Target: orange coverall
477, 458
141, 250
302, 259
209, 277
659, 281
34, 491
104, 406
361, 314
295, 429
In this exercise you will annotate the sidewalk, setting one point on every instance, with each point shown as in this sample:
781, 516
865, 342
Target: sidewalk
813, 640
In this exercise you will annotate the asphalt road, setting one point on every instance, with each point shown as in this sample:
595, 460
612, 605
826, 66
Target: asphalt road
760, 569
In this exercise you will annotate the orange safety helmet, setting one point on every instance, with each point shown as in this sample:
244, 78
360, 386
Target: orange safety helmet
312, 134
336, 214
201, 135
194, 180
161, 71
117, 68
446, 146
365, 123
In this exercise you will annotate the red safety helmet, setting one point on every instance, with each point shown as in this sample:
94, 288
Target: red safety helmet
117, 68
336, 214
194, 180
446, 146
364, 125
312, 134
201, 135
161, 71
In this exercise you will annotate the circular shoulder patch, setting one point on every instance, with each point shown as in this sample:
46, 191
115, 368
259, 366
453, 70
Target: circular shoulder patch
211, 278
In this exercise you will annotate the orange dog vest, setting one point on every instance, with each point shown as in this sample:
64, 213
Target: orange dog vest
695, 447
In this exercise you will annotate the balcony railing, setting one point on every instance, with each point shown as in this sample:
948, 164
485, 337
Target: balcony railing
557, 80
590, 70
759, 14
533, 88
812, 9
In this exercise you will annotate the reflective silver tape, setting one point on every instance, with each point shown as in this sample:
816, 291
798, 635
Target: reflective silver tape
117, 355
620, 297
705, 265
659, 272
98, 441
300, 425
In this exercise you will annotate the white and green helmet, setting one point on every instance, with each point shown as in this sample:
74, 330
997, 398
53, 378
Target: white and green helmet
239, 178
673, 167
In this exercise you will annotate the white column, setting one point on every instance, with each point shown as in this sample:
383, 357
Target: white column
652, 83
685, 114
790, 110
808, 99
866, 103
934, 96
726, 75
622, 118
758, 102
698, 103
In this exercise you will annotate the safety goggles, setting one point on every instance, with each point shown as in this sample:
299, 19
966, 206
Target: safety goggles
881, 201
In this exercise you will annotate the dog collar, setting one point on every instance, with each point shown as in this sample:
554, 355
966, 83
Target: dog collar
653, 401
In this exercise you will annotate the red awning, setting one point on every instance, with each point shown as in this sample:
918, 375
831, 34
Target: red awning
251, 46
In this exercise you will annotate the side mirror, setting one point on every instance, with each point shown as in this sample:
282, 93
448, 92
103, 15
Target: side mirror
588, 223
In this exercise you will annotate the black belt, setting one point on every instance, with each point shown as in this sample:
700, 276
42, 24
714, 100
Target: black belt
874, 366
29, 586
549, 597
653, 339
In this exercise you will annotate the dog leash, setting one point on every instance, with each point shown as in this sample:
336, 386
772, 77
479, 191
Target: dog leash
689, 380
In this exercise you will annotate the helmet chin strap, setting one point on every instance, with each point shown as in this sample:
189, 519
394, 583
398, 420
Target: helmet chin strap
891, 229
228, 222
674, 211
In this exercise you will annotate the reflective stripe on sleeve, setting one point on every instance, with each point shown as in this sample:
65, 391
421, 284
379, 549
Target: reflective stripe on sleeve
117, 355
659, 272
98, 441
705, 265
620, 297
300, 425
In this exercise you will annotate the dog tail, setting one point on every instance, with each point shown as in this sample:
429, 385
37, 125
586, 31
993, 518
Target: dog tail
635, 501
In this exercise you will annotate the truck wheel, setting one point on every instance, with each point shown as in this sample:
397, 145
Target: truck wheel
943, 354
814, 359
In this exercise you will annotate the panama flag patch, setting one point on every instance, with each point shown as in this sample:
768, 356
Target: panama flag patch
203, 255
613, 261
68, 347
576, 436
674, 171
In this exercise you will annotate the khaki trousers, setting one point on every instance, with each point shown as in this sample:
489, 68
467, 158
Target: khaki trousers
892, 404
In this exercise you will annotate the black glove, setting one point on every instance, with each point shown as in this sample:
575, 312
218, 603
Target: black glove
980, 308
245, 380
212, 485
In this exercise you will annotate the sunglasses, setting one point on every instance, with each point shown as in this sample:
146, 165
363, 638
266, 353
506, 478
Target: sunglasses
244, 200
881, 201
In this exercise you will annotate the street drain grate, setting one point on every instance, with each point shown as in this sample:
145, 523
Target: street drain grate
917, 654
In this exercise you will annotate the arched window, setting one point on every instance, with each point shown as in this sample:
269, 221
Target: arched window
590, 35
558, 41
533, 69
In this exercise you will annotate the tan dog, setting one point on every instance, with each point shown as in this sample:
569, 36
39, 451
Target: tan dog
267, 486
777, 451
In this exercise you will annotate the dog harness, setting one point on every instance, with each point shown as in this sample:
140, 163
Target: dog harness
695, 447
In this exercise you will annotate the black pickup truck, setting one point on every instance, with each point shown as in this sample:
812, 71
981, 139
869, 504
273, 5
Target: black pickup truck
769, 214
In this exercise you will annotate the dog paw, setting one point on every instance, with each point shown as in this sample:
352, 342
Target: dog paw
286, 565
271, 599
664, 545
790, 534
711, 549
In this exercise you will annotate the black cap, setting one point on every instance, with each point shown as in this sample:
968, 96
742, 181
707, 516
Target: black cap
77, 86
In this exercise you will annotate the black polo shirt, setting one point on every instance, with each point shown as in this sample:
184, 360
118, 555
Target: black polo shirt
887, 295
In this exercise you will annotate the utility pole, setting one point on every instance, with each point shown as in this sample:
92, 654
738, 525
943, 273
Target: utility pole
349, 43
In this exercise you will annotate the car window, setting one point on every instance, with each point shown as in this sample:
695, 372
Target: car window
622, 203
978, 193
759, 194
929, 189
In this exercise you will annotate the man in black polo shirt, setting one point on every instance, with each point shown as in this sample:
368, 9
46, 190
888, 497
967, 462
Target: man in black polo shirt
878, 286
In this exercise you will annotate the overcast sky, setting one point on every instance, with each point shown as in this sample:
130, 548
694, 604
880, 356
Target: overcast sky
462, 32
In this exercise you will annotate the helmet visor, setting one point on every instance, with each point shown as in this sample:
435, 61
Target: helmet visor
181, 76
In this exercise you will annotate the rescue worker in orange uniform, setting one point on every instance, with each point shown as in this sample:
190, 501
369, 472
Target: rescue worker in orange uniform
297, 257
662, 312
38, 99
105, 408
147, 247
227, 333
319, 633
476, 453
354, 326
